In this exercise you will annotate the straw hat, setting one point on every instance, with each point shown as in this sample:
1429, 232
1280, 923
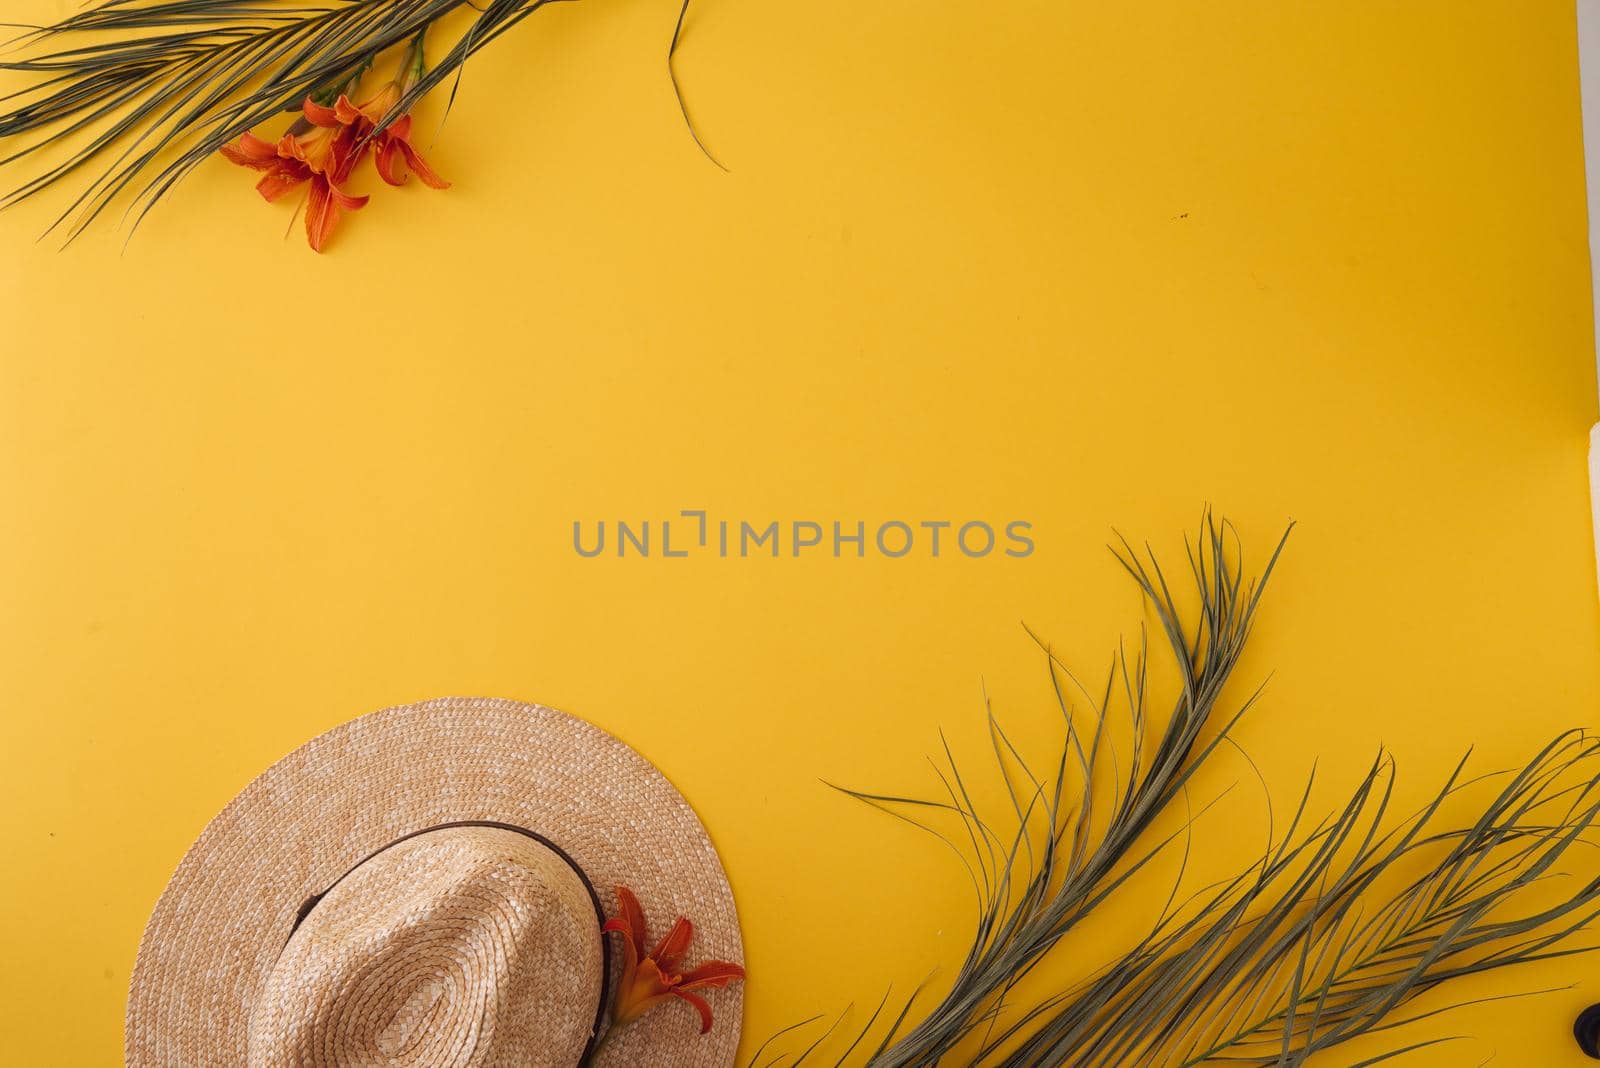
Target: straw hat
425, 886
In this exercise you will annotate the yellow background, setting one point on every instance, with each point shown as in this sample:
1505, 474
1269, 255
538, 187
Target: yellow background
1084, 264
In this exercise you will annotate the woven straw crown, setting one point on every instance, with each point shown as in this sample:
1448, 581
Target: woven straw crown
424, 886
460, 946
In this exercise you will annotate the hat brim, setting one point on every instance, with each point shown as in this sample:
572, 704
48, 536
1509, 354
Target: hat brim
224, 917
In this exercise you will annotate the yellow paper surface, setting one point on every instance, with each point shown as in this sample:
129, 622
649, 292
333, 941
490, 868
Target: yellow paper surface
1086, 265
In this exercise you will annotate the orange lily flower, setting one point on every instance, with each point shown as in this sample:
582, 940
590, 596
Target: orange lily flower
317, 149
652, 979
393, 152
327, 143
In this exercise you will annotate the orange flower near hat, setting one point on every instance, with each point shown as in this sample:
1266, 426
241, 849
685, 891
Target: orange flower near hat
653, 979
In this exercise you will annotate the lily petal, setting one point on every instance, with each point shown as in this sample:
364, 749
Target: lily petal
345, 200
396, 154
712, 974
700, 1006
420, 167
630, 955
674, 945
322, 212
345, 112
377, 107
390, 160
320, 114
632, 914
251, 151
